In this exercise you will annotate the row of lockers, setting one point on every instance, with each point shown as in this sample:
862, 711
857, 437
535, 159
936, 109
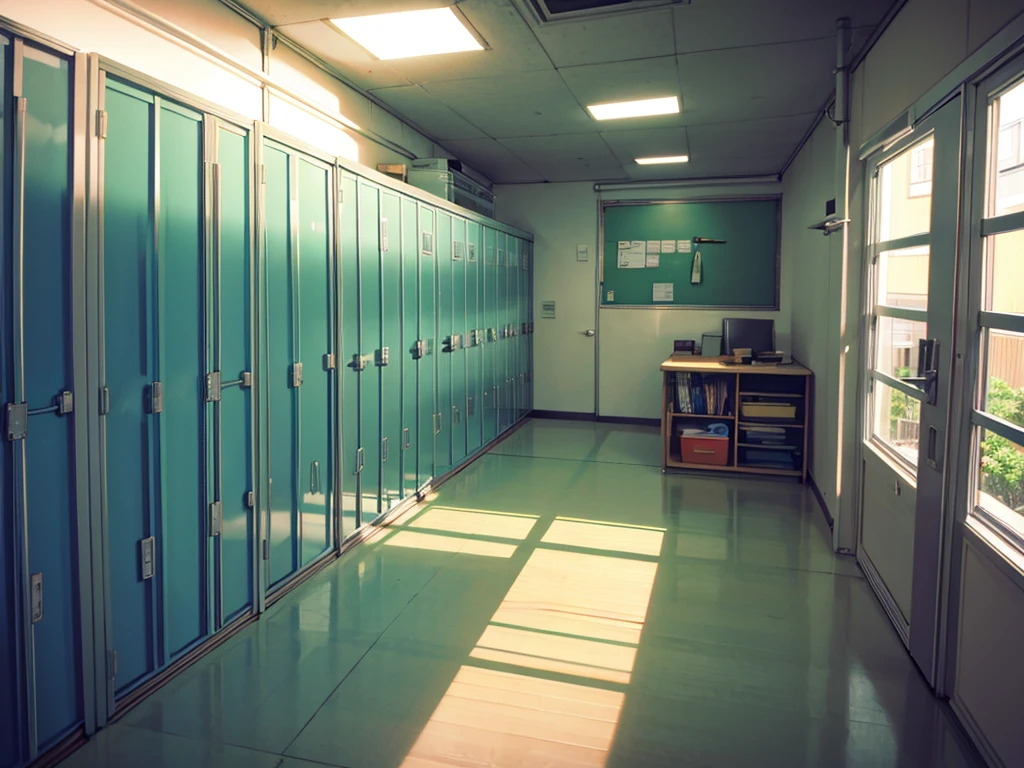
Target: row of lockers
224, 353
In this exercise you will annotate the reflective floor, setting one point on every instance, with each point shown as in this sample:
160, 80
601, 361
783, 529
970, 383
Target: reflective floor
561, 602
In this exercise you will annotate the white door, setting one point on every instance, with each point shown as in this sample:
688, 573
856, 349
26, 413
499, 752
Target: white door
910, 282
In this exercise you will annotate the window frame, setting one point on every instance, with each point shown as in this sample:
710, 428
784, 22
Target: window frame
923, 186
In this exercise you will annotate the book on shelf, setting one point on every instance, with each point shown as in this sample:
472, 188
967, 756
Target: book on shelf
701, 395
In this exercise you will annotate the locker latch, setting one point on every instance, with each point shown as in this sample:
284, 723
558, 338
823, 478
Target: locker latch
470, 407
358, 363
65, 402
156, 397
360, 461
246, 380
17, 421
147, 557
382, 356
213, 387
384, 449
419, 349
216, 517
471, 339
296, 375
472, 251
330, 362
456, 415
406, 440
250, 499
492, 334
523, 331
37, 597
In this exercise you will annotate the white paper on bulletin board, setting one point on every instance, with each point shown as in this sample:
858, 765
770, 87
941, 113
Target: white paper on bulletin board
653, 247
664, 292
668, 246
632, 254
685, 246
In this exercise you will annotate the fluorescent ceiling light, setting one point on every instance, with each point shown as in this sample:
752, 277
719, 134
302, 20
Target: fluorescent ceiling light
668, 159
668, 105
410, 33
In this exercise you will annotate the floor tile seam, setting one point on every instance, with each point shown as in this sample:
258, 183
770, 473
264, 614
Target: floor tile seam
360, 660
578, 461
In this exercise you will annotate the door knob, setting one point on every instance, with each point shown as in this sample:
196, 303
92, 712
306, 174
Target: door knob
589, 332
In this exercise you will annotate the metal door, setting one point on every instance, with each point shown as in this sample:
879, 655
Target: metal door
489, 307
513, 330
448, 339
369, 349
460, 334
350, 360
474, 350
407, 355
389, 356
501, 348
426, 368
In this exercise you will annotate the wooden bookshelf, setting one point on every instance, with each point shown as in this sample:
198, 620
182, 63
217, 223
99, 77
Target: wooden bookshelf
788, 385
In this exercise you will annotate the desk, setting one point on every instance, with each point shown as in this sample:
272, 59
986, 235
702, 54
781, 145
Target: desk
745, 385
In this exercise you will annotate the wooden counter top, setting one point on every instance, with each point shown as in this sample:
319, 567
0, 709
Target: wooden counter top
715, 365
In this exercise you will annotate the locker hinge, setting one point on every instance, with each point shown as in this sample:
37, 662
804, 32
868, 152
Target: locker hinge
263, 174
330, 362
266, 549
156, 397
246, 381
250, 499
17, 421
36, 581
147, 557
382, 356
111, 664
216, 517
296, 375
104, 401
213, 387
101, 123
358, 363
419, 349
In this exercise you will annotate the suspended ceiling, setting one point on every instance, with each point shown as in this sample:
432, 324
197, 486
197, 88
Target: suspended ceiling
751, 74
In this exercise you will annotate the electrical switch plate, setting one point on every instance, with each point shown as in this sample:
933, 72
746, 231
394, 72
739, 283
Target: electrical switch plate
147, 557
582, 252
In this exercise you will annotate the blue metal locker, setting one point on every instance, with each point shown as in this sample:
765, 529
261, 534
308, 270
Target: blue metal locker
426, 367
389, 360
350, 359
448, 339
370, 351
409, 350
460, 397
474, 349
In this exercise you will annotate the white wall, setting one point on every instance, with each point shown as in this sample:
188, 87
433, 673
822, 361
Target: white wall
633, 342
94, 26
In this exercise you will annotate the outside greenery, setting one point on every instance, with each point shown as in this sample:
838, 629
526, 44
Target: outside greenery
1002, 462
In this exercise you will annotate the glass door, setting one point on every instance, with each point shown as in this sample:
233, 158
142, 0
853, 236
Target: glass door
910, 295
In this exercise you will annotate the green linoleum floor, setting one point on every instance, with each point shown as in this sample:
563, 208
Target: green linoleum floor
561, 602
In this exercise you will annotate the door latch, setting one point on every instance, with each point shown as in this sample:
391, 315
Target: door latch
216, 518
147, 557
156, 397
358, 363
406, 440
296, 375
17, 421
213, 387
37, 597
419, 349
927, 377
329, 362
381, 357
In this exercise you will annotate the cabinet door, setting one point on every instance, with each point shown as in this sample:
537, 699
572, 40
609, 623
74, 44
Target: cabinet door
426, 369
474, 350
369, 346
445, 331
349, 361
501, 374
490, 323
409, 351
390, 447
459, 333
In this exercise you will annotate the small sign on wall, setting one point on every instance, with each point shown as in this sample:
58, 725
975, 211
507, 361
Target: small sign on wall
547, 310
582, 252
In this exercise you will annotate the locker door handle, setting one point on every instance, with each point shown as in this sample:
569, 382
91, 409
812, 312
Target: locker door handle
384, 449
314, 477
456, 416
406, 440
360, 461
156, 397
933, 447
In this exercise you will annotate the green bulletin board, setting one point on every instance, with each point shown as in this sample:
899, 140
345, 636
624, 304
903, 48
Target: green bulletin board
742, 272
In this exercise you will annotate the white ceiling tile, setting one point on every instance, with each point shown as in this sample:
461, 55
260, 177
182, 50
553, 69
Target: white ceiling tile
527, 104
619, 38
573, 157
707, 25
290, 11
626, 81
753, 83
512, 48
351, 60
493, 160
428, 113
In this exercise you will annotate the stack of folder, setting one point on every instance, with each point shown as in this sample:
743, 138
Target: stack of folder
701, 395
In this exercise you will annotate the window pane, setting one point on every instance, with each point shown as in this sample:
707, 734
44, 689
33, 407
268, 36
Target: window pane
905, 190
1009, 153
897, 421
903, 277
896, 345
1004, 273
1004, 367
1001, 482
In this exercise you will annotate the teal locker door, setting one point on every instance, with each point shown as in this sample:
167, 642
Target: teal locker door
281, 353
181, 355
369, 348
513, 330
128, 372
409, 352
349, 361
460, 334
521, 330
446, 337
501, 358
234, 304
44, 472
311, 376
490, 322
426, 364
390, 360
474, 350
528, 276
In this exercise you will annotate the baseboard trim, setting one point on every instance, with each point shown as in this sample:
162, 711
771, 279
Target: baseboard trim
564, 415
636, 421
821, 501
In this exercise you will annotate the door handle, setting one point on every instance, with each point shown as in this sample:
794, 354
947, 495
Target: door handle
927, 377
589, 332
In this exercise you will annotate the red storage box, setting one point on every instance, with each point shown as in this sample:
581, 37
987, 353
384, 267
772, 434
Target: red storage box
705, 449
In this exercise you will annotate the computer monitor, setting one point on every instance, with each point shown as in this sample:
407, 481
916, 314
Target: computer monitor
743, 332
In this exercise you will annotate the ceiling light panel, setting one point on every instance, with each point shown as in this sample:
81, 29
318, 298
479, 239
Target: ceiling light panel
410, 33
668, 105
661, 160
